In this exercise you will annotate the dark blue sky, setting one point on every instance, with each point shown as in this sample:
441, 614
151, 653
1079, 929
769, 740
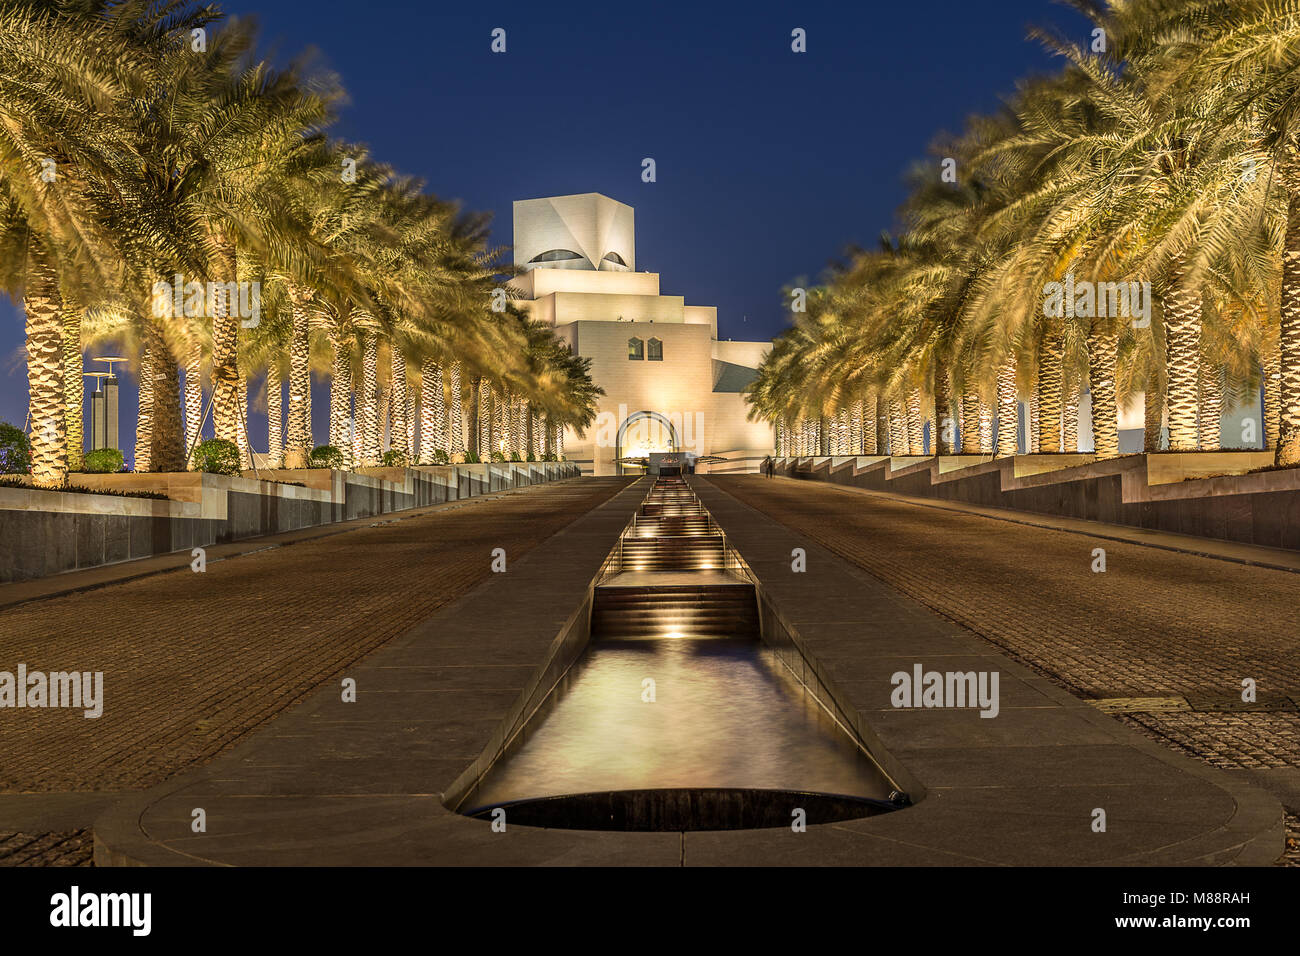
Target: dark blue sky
769, 162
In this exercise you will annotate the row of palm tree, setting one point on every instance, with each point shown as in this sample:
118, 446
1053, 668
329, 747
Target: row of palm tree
145, 145
1163, 156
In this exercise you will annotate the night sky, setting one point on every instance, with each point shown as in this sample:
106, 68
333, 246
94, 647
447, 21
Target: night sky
769, 163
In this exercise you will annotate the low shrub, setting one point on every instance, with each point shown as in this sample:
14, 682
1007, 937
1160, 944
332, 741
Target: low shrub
471, 458
328, 456
498, 456
440, 457
217, 456
15, 452
394, 458
102, 461
530, 456
514, 456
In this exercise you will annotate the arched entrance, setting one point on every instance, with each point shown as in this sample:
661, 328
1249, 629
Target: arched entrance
642, 433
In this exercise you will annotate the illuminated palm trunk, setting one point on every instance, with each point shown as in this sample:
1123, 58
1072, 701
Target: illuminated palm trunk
915, 424
946, 412
275, 416
1050, 382
897, 427
870, 425
985, 428
1008, 410
74, 389
483, 419
1153, 413
855, 428
299, 440
159, 433
46, 405
1031, 414
1070, 421
399, 440
142, 459
559, 441
433, 411
1288, 398
970, 424
457, 412
1182, 362
245, 446
370, 437
1210, 412
498, 438
193, 401
1103, 351
516, 426
226, 404
1272, 397
342, 429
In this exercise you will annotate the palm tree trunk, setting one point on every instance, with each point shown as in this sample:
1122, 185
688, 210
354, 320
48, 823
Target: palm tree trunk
225, 360
1153, 412
1103, 351
1070, 420
472, 439
985, 428
1033, 442
457, 412
897, 427
1288, 401
1182, 343
74, 388
193, 401
483, 415
855, 428
433, 411
915, 424
1272, 389
342, 427
245, 446
498, 421
970, 424
943, 437
516, 426
166, 433
1008, 410
299, 442
399, 442
142, 460
1210, 412
370, 435
559, 441
275, 453
46, 406
870, 424
1050, 380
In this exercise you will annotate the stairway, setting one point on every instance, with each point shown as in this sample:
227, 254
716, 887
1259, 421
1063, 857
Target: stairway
672, 537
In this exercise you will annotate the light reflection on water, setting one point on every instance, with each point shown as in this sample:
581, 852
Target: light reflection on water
725, 714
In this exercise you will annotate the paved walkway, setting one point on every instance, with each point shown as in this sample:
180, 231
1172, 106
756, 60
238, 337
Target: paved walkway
193, 662
367, 782
1015, 789
1164, 637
